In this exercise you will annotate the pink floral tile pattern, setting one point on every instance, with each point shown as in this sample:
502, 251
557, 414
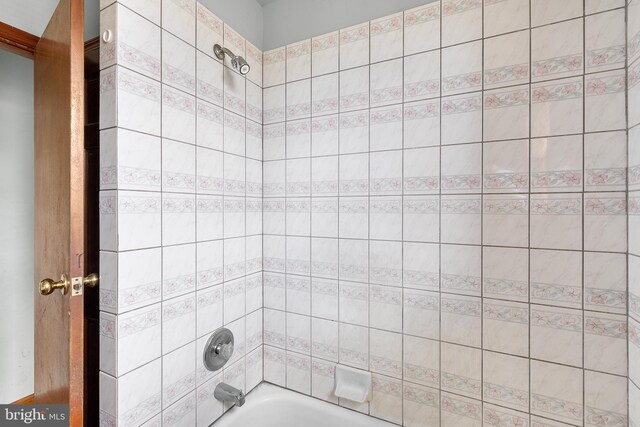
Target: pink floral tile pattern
452, 7
461, 407
385, 26
558, 65
556, 407
426, 14
556, 92
608, 56
506, 74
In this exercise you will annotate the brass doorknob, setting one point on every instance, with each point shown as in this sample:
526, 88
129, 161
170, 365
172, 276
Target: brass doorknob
91, 280
47, 286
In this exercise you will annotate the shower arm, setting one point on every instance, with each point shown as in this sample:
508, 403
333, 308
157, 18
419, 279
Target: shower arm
220, 52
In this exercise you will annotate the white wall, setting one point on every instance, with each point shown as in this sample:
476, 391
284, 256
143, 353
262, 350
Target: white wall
16, 227
288, 21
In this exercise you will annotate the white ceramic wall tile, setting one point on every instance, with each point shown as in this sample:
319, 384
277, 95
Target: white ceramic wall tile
422, 76
461, 269
386, 37
506, 329
557, 107
550, 60
149, 9
605, 101
354, 46
209, 30
461, 21
506, 59
422, 28
135, 42
505, 16
299, 61
457, 410
274, 63
235, 42
604, 49
324, 54
209, 126
354, 89
506, 166
633, 31
605, 222
178, 115
421, 123
461, 370
556, 221
178, 322
506, 380
256, 60
505, 280
234, 92
556, 278
593, 6
613, 406
511, 104
461, 118
129, 100
556, 392
178, 63
129, 161
179, 18
556, 164
133, 398
549, 11
556, 335
210, 86
462, 68
129, 220
386, 83
127, 286
178, 377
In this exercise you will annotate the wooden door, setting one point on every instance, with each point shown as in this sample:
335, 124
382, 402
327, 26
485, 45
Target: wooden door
59, 207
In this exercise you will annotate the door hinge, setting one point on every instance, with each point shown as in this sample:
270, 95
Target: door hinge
77, 283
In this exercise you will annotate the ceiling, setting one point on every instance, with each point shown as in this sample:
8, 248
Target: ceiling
266, 2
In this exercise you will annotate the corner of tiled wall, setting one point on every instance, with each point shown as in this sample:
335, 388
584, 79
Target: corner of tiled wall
633, 117
445, 206
180, 211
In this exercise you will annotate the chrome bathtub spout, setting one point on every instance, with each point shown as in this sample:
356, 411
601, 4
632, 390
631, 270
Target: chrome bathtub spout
226, 393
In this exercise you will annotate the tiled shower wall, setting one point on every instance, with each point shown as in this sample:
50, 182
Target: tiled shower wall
445, 206
633, 96
181, 212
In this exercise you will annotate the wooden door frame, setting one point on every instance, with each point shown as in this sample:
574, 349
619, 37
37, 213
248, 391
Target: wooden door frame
59, 208
22, 43
17, 41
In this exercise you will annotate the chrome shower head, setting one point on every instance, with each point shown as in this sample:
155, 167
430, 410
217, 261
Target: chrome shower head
237, 62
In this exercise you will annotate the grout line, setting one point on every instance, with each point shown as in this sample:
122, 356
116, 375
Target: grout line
628, 272
440, 50
584, 127
162, 154
529, 346
482, 218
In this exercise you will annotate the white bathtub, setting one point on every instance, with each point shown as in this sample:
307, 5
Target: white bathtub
271, 406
